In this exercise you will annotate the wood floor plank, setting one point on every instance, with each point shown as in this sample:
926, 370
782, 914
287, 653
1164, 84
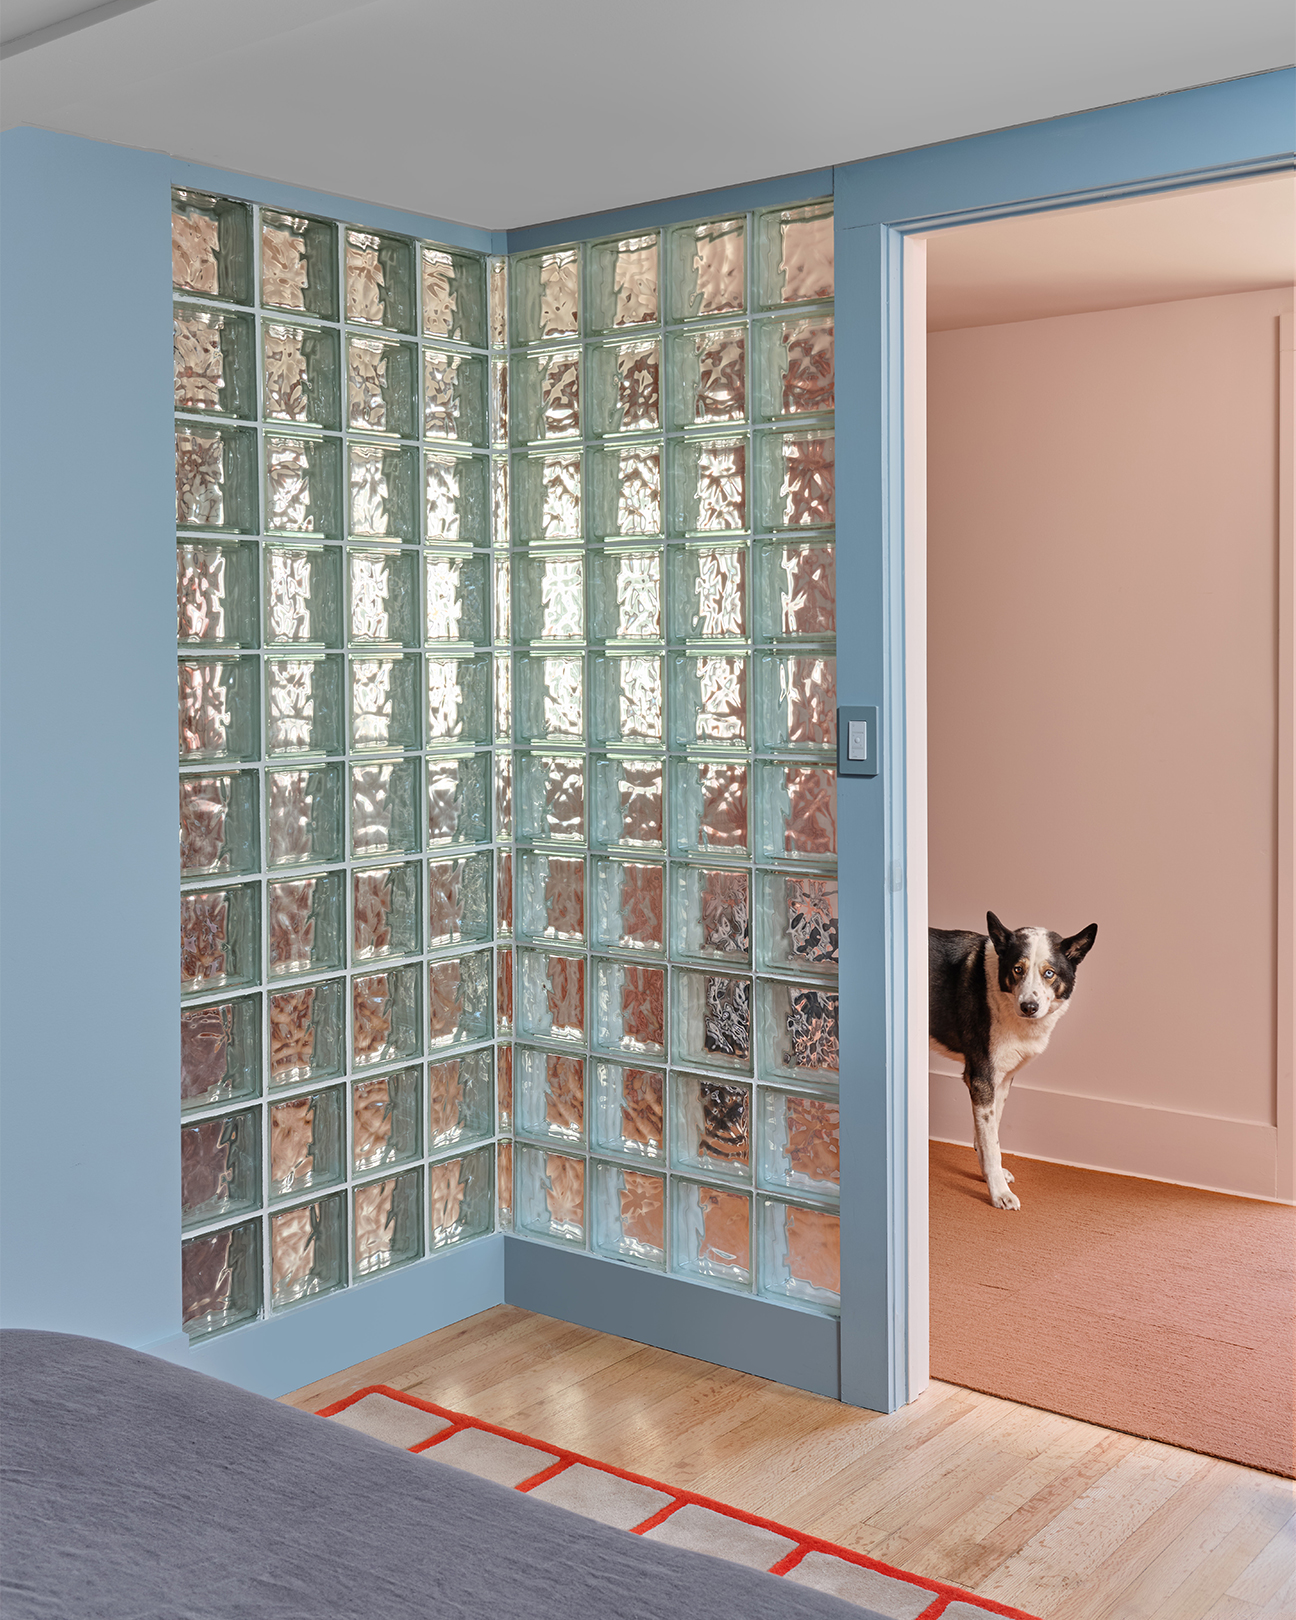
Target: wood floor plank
1270, 1577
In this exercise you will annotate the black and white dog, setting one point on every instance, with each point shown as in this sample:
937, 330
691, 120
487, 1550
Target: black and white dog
995, 1000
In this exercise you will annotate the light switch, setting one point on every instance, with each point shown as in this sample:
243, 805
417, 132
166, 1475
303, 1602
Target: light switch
857, 739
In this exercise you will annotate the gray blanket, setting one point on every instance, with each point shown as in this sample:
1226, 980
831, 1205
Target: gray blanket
134, 1488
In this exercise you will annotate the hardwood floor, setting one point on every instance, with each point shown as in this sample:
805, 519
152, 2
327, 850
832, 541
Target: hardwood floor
1057, 1517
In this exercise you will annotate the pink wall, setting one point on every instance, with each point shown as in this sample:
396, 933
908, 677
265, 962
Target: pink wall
1102, 713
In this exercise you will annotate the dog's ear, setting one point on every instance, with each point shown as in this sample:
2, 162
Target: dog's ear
1079, 945
998, 933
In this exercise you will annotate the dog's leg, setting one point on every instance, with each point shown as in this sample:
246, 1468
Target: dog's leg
989, 1092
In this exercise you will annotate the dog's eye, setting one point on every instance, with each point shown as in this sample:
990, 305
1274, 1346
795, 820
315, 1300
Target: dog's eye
1048, 973
1019, 969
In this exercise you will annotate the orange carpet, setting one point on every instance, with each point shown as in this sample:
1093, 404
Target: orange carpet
1161, 1311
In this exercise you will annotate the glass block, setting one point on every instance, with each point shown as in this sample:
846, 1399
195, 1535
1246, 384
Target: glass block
211, 246
627, 699
454, 397
629, 802
458, 794
304, 816
387, 1219
800, 1254
623, 388
216, 478
503, 598
627, 1110
308, 1251
219, 825
504, 892
800, 1147
302, 592
796, 590
381, 479
544, 396
550, 699
503, 710
386, 1120
796, 480
711, 1234
504, 1088
709, 701
707, 593
625, 593
455, 500
307, 1142
304, 705
794, 366
304, 486
385, 702
454, 294
499, 402
550, 591
382, 598
711, 1025
706, 269
708, 486
385, 911
796, 703
459, 701
215, 361
382, 386
546, 498
304, 924
551, 897
709, 804
630, 1216
380, 280
307, 1033
498, 302
301, 375
629, 1008
221, 1279
622, 281
216, 595
796, 813
545, 295
624, 483
385, 808
798, 1033
458, 600
711, 1127
220, 1167
459, 900
386, 1016
794, 251
504, 976
220, 1052
708, 376
710, 914
797, 922
459, 1100
459, 1000
551, 797
503, 780
629, 905
299, 264
460, 1192
549, 1195
220, 944
551, 996
549, 1095
504, 1184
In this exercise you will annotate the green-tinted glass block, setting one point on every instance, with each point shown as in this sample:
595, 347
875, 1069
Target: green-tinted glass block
504, 1088
302, 596
624, 484
710, 703
796, 702
708, 376
551, 797
709, 485
551, 996
551, 897
216, 478
458, 799
795, 479
305, 710
629, 905
307, 1033
707, 588
794, 254
211, 246
453, 286
461, 1198
308, 1251
623, 388
387, 1221
549, 1094
499, 402
220, 1167
711, 1234
385, 807
216, 595
545, 395
304, 816
502, 575
800, 1254
215, 361
456, 501
630, 1216
627, 1110
459, 1000
547, 498
628, 1008
709, 807
711, 1024
628, 802
459, 901
705, 269
546, 295
796, 917
796, 589
387, 1016
711, 1127
458, 700
798, 1033
504, 991
386, 702
381, 483
304, 486
627, 699
796, 813
794, 365
301, 375
710, 915
454, 396
498, 303
458, 599
503, 780
221, 1279
459, 1100
549, 1195
220, 1052
386, 912
625, 593
382, 598
622, 283
304, 924
299, 264
219, 824
799, 1144
382, 386
550, 698
307, 1142
386, 1120
380, 287
504, 893
550, 596
220, 943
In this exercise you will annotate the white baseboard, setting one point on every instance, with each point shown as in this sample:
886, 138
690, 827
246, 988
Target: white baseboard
1159, 1144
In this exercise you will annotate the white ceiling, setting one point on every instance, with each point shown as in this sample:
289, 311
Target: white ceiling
509, 114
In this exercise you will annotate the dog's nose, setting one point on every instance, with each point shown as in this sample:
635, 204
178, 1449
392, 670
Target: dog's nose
1029, 1008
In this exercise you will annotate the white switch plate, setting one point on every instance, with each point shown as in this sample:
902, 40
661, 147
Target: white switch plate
857, 739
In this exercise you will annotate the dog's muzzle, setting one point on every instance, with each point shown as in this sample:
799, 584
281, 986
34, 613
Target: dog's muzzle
1030, 1009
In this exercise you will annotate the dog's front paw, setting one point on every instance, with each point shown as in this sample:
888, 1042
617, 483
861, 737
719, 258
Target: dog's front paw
1004, 1199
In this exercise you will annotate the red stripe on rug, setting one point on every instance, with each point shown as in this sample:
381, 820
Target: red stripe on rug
942, 1592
